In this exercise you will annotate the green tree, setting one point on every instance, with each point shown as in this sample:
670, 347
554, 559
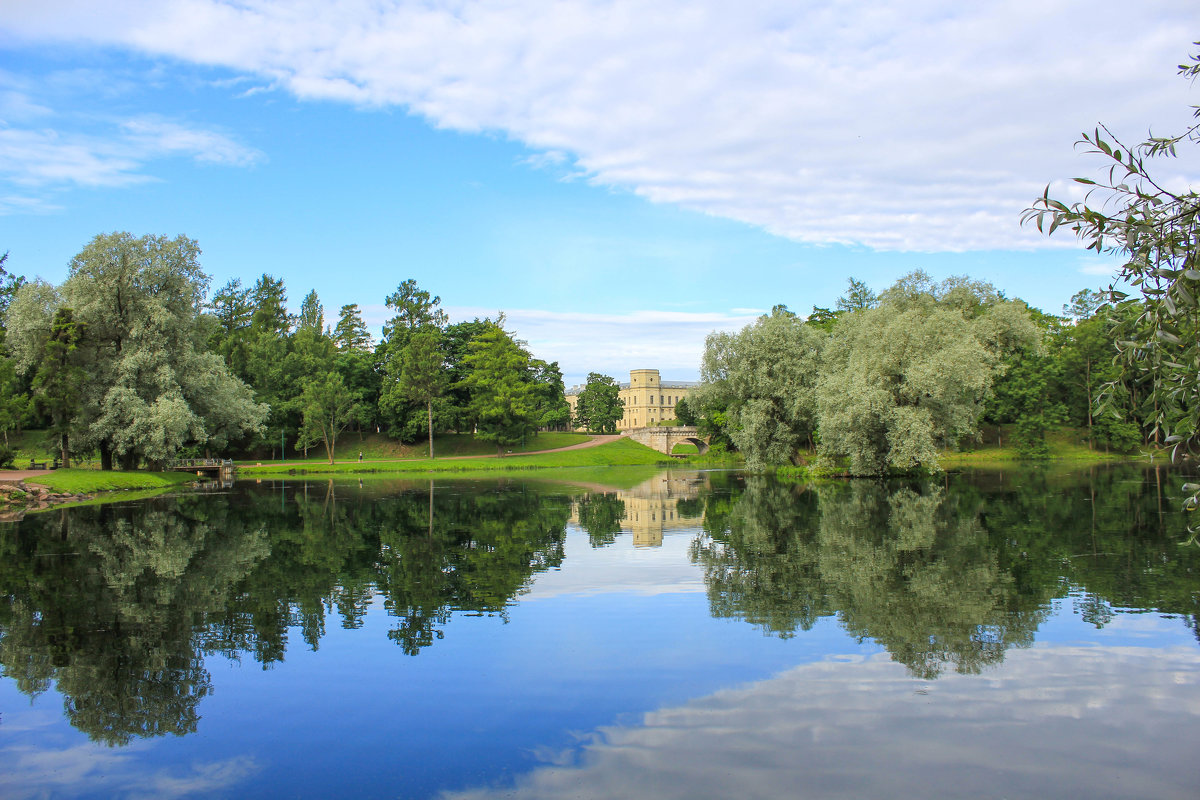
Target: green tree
232, 310
599, 405
858, 297
312, 314
14, 401
269, 299
422, 373
9, 285
351, 333
553, 412
765, 377
59, 378
912, 374
151, 386
327, 408
415, 310
503, 400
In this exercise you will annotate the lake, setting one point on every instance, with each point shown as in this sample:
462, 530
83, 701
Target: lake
634, 634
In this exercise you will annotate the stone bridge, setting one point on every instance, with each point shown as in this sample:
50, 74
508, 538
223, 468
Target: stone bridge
664, 438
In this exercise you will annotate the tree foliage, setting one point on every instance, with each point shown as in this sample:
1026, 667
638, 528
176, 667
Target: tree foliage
327, 408
912, 374
1132, 212
151, 385
599, 406
765, 378
503, 399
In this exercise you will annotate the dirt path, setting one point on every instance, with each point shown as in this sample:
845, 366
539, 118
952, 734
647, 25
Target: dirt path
15, 476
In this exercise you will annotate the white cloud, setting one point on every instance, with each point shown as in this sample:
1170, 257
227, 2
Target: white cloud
1100, 266
46, 157
920, 126
612, 344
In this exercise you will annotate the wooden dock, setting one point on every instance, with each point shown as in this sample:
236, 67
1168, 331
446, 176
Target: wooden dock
217, 468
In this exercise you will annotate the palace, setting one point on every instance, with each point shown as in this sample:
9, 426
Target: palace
649, 400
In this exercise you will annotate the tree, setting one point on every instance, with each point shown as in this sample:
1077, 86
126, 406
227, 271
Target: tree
599, 405
553, 412
415, 310
765, 378
9, 285
351, 333
327, 408
858, 297
13, 400
503, 400
150, 387
822, 318
1129, 212
270, 307
911, 375
422, 373
312, 314
233, 312
59, 378
1084, 304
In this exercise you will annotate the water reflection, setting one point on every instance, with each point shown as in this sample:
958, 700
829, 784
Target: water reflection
664, 502
946, 575
104, 602
1061, 722
119, 606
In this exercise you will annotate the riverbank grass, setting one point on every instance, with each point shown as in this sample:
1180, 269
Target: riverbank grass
90, 481
622, 452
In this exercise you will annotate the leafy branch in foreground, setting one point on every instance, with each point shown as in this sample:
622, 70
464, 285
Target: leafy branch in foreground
1127, 211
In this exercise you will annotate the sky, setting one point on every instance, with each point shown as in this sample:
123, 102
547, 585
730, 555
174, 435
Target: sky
619, 177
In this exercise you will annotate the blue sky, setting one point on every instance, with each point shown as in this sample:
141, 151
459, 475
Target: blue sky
619, 177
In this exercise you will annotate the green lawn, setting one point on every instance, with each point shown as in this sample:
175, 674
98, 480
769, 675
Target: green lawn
622, 452
377, 447
87, 481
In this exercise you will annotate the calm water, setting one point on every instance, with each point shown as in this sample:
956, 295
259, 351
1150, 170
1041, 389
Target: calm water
673, 635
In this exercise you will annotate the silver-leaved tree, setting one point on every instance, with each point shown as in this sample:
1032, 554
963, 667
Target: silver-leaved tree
147, 385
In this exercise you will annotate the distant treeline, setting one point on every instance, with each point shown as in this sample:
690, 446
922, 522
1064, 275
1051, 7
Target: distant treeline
132, 359
885, 381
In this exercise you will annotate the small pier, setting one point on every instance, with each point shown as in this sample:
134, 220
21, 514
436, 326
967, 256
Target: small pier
219, 469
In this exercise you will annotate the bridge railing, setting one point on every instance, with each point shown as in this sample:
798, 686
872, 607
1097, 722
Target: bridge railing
200, 463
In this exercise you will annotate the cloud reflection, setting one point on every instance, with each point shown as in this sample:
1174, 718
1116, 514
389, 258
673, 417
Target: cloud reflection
92, 769
1052, 722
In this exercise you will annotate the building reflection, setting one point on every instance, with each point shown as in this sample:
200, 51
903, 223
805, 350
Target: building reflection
647, 511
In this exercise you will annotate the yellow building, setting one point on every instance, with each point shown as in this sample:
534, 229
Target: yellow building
649, 400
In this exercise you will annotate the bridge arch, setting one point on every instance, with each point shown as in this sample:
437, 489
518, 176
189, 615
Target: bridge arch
663, 439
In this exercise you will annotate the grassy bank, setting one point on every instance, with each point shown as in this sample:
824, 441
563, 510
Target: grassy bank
90, 481
622, 452
377, 447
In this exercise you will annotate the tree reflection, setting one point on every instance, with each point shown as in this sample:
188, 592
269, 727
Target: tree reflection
455, 550
118, 605
946, 576
600, 514
104, 601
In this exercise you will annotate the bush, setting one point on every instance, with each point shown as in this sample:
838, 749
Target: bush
8, 457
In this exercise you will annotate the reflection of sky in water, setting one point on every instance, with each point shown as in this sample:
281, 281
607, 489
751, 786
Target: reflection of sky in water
1051, 722
610, 678
621, 568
